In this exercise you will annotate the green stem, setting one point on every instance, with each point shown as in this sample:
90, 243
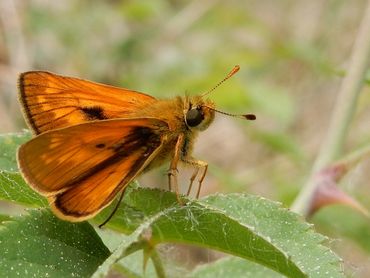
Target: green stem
157, 262
124, 271
343, 113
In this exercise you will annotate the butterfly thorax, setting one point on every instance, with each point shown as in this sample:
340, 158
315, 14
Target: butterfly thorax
184, 115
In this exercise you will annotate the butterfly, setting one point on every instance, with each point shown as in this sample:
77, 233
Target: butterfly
91, 140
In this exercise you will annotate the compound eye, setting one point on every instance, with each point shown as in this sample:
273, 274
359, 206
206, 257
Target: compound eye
194, 117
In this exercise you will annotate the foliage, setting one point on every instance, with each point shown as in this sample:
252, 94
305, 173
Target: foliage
40, 245
245, 226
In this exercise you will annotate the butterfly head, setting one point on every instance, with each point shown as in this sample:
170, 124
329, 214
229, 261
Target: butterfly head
199, 113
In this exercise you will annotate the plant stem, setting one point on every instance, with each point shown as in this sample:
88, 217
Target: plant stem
157, 262
343, 113
124, 271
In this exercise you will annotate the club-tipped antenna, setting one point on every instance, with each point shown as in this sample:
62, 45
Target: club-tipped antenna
250, 117
231, 73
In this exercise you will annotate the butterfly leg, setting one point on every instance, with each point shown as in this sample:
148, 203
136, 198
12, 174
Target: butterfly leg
193, 176
197, 164
172, 173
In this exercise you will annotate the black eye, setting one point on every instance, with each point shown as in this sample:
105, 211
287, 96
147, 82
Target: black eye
194, 117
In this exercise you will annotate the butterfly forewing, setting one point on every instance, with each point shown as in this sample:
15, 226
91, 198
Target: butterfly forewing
81, 168
53, 101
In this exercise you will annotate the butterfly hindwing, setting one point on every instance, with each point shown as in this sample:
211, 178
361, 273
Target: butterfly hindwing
81, 168
53, 101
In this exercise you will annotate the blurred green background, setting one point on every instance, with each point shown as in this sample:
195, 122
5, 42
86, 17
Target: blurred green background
293, 55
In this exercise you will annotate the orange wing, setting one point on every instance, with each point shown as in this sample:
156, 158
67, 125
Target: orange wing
81, 168
53, 101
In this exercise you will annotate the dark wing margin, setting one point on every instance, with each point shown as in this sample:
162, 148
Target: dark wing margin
22, 99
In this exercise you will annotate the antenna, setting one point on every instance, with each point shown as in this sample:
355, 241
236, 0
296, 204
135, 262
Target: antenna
231, 73
250, 117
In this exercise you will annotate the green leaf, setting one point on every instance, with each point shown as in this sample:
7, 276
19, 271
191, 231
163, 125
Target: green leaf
246, 226
14, 188
8, 149
233, 267
41, 245
283, 229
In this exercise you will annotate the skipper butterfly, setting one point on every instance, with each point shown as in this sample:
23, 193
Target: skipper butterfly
91, 140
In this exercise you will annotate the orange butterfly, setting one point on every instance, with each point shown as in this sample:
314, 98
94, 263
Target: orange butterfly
92, 139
